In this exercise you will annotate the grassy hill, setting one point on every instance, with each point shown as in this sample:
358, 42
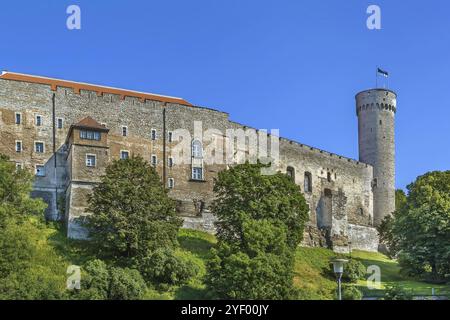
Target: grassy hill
310, 269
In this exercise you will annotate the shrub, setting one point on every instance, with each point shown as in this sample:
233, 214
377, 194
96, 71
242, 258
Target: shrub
350, 292
354, 270
395, 292
126, 284
165, 266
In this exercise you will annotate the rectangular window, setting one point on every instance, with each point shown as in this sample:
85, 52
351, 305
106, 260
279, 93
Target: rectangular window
40, 171
39, 147
19, 165
38, 120
124, 131
154, 160
153, 134
90, 135
124, 154
90, 160
171, 183
18, 118
59, 123
170, 162
18, 146
197, 173
170, 136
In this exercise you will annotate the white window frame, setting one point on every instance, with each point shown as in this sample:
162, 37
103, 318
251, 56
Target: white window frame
171, 183
122, 151
197, 154
57, 123
126, 131
170, 162
21, 146
36, 170
202, 177
43, 146
154, 133
153, 156
95, 160
15, 117
36, 120
103, 124
19, 165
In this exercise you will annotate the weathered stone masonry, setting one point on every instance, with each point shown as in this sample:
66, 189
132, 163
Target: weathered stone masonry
346, 197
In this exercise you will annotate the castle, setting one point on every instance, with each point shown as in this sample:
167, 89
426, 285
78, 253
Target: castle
67, 132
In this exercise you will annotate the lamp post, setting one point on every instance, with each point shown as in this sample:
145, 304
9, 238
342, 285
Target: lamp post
338, 267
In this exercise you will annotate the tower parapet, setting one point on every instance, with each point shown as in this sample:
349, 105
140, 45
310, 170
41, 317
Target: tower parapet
376, 109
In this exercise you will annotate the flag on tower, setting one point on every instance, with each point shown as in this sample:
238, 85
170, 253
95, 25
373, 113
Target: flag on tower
384, 73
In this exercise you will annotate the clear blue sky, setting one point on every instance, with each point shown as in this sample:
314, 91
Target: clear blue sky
292, 65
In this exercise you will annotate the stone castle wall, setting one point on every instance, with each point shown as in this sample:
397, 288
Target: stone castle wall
341, 194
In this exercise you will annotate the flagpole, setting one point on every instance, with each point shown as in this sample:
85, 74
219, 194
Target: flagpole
376, 78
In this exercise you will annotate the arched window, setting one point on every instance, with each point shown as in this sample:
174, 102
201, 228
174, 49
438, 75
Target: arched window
329, 176
290, 171
197, 151
308, 182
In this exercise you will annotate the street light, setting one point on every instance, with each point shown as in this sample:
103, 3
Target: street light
338, 267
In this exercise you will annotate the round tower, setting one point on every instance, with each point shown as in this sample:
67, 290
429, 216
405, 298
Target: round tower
376, 110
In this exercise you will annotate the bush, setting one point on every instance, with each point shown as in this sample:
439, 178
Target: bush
354, 270
351, 293
126, 284
395, 292
165, 266
101, 282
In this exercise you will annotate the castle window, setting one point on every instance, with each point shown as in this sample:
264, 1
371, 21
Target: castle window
170, 162
91, 160
361, 211
154, 160
290, 171
40, 171
329, 176
59, 123
153, 134
124, 131
171, 183
19, 165
381, 122
18, 118
90, 135
197, 149
170, 136
38, 120
19, 146
197, 173
308, 182
39, 147
124, 154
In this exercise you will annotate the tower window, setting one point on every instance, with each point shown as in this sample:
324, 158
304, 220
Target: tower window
308, 182
197, 173
290, 171
59, 123
124, 154
381, 122
329, 176
171, 183
91, 160
124, 131
153, 134
18, 146
39, 147
19, 165
170, 162
197, 149
154, 160
38, 120
89, 135
170, 136
18, 119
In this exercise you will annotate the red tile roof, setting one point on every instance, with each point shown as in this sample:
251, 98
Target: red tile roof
90, 123
77, 86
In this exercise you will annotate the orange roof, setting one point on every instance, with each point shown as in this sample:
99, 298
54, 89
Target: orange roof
77, 86
88, 122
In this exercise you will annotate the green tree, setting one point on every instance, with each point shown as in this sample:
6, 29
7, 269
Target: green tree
132, 214
260, 224
420, 228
